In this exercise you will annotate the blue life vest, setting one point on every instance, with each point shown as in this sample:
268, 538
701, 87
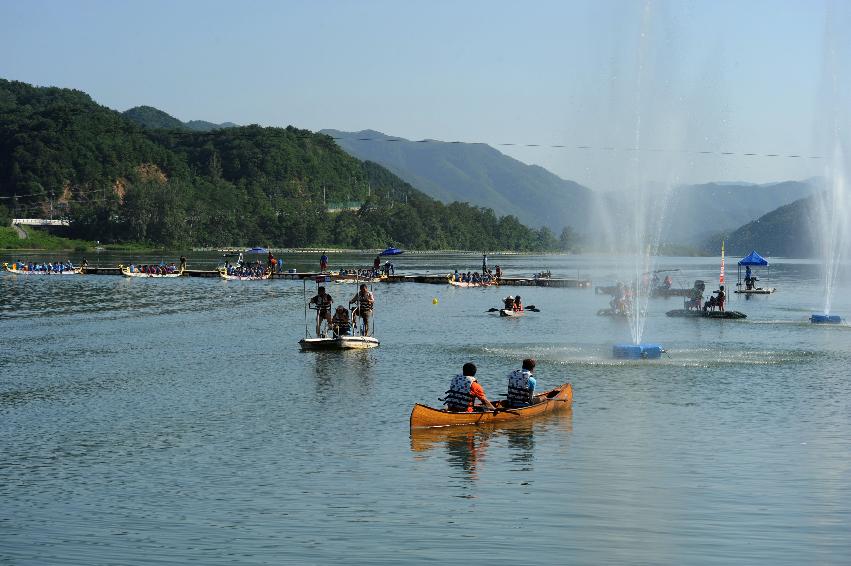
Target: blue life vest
520, 390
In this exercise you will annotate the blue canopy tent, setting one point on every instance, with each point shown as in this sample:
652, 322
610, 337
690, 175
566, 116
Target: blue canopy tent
755, 260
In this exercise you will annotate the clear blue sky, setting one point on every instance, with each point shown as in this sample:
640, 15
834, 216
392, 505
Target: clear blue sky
675, 76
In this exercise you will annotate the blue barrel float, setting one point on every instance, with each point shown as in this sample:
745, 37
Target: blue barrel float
826, 319
637, 351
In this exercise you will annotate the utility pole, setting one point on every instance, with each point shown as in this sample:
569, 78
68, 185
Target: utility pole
51, 205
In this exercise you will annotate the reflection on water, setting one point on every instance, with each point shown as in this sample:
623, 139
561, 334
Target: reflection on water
466, 447
177, 421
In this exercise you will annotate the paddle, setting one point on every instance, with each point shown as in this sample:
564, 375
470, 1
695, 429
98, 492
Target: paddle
499, 410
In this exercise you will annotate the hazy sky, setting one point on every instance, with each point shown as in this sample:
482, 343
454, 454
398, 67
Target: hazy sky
673, 78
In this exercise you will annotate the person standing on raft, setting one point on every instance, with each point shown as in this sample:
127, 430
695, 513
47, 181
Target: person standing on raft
721, 299
463, 391
365, 302
323, 302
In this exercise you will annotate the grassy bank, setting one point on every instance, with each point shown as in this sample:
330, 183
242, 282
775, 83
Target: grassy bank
38, 240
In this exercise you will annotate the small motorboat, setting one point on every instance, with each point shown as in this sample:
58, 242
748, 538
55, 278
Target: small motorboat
557, 399
392, 251
700, 313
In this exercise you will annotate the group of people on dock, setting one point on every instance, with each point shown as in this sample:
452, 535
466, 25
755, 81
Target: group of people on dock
255, 269
386, 269
473, 277
43, 267
465, 389
341, 324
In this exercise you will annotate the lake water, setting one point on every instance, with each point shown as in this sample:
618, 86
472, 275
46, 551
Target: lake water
175, 421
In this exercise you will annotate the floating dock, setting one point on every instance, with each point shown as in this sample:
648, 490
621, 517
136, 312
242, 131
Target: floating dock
426, 278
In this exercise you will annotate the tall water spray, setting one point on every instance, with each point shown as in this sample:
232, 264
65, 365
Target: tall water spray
648, 206
833, 206
833, 218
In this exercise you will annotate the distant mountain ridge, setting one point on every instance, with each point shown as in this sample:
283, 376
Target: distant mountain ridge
478, 174
786, 231
696, 211
154, 118
481, 175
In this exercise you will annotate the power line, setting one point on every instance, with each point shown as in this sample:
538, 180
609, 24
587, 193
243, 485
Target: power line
233, 131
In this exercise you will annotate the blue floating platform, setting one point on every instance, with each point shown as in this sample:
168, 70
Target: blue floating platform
826, 319
637, 351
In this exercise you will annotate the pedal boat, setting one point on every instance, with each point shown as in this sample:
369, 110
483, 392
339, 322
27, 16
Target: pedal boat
339, 343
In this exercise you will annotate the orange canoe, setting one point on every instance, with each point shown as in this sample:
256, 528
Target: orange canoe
559, 398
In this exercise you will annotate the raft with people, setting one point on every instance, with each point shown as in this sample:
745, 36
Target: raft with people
560, 398
700, 313
57, 268
158, 271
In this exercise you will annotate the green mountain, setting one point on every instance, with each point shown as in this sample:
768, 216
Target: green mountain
697, 211
478, 174
154, 118
786, 231
118, 181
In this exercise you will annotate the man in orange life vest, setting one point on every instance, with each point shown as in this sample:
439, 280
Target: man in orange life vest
464, 390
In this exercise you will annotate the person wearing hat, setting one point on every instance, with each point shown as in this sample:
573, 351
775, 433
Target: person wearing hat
521, 385
340, 322
464, 390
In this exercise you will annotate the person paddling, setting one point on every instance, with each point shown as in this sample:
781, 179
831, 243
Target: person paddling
463, 391
521, 385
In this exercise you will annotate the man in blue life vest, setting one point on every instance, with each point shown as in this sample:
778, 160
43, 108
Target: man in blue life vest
464, 390
521, 386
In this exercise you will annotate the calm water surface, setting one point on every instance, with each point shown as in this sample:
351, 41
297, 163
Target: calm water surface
175, 421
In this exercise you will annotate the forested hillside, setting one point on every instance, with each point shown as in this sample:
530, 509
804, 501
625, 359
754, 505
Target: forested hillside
478, 174
118, 181
151, 117
787, 231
